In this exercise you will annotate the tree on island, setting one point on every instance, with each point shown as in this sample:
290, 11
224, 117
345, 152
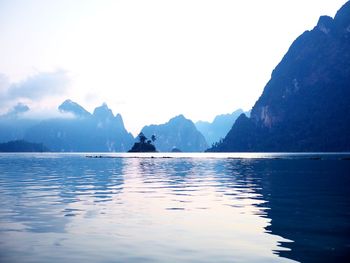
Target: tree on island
142, 138
144, 145
153, 138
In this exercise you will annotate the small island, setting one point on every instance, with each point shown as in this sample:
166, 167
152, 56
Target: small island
175, 150
144, 145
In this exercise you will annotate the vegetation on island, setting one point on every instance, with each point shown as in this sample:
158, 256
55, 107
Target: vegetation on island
144, 144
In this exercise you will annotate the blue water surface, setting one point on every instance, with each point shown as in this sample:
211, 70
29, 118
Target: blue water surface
187, 208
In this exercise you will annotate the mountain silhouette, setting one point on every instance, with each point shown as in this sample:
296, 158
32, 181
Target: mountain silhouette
306, 104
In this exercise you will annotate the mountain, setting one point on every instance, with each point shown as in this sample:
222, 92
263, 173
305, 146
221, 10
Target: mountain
221, 125
305, 106
74, 108
22, 146
103, 113
178, 132
100, 131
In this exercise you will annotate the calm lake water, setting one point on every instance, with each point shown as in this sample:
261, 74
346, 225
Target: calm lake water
189, 208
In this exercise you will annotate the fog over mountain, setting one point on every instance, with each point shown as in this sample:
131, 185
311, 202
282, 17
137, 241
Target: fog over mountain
12, 124
85, 132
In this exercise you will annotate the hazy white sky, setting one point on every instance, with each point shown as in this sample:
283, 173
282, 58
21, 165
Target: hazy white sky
148, 60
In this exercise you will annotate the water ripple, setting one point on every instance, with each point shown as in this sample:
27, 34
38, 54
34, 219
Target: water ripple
167, 209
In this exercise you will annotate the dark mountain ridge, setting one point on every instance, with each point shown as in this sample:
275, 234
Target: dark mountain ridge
306, 104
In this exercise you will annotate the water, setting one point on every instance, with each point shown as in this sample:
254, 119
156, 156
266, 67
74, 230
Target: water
189, 208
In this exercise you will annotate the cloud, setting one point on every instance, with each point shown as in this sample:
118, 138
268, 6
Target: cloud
39, 86
4, 85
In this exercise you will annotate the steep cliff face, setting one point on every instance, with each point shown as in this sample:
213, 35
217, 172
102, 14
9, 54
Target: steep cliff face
306, 104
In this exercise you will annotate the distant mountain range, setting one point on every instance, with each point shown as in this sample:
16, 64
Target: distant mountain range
306, 104
178, 132
80, 131
218, 129
86, 132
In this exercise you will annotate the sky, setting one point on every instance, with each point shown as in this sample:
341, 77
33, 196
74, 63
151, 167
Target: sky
148, 60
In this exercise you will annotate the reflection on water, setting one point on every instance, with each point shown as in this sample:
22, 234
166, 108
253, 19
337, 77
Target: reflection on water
309, 204
66, 207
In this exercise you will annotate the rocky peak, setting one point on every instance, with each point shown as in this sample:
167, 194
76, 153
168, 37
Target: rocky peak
103, 112
325, 24
119, 119
343, 15
178, 119
342, 20
74, 108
